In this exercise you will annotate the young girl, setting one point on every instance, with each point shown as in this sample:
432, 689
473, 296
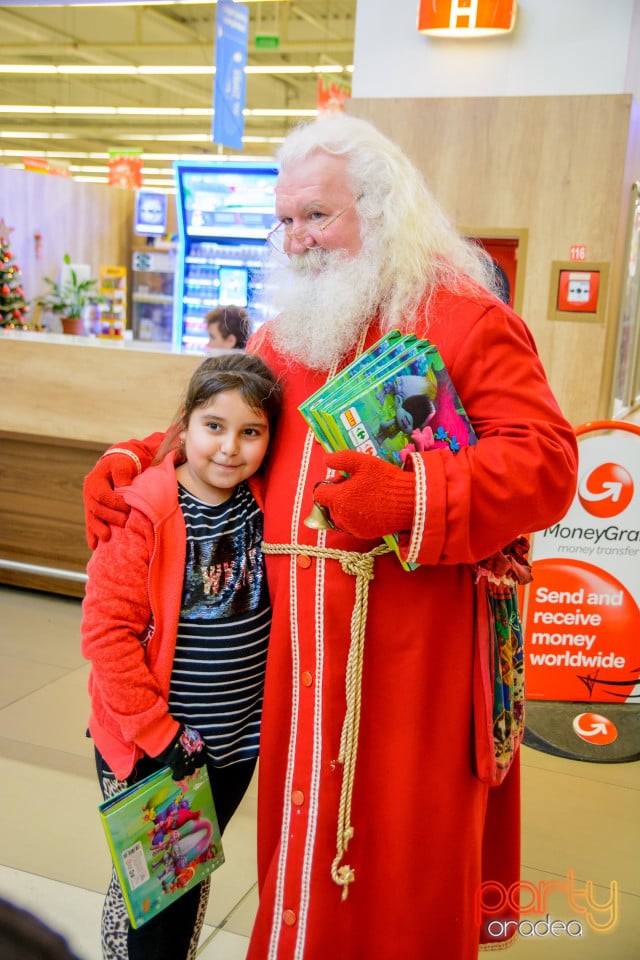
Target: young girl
176, 620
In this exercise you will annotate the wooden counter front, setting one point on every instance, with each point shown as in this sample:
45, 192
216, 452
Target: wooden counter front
64, 400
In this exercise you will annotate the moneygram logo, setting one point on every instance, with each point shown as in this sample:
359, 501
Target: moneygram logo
594, 728
606, 491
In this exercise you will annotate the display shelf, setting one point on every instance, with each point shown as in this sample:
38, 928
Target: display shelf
112, 311
153, 272
151, 298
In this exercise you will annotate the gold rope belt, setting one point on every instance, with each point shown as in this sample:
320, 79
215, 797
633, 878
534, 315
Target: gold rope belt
359, 565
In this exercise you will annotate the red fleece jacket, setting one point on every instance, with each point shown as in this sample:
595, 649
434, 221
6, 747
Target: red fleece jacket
130, 618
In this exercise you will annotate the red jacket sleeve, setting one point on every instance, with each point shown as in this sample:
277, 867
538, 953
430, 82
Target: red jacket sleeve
145, 449
116, 630
521, 475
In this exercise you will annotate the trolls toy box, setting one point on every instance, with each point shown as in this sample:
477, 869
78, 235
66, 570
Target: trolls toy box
164, 839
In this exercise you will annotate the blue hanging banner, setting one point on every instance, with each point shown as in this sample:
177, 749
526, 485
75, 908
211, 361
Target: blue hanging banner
232, 37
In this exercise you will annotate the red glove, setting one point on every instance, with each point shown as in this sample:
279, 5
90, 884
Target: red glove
103, 507
375, 499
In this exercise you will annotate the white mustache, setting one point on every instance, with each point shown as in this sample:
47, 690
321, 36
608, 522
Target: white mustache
324, 299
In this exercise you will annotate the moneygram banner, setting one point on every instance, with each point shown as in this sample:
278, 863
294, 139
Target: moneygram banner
581, 618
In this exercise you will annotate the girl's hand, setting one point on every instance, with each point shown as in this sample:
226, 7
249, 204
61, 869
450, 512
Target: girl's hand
185, 754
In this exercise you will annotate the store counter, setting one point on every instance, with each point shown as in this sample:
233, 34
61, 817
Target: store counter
64, 400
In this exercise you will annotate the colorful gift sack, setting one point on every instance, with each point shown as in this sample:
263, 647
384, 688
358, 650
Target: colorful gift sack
498, 672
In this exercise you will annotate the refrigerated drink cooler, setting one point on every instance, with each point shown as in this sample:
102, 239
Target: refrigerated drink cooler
153, 272
225, 210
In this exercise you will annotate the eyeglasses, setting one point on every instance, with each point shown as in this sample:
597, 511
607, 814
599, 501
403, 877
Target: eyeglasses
308, 236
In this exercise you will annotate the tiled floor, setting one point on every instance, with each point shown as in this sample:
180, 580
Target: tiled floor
53, 854
578, 817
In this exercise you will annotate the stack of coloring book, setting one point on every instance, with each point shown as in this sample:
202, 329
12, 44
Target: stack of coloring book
395, 398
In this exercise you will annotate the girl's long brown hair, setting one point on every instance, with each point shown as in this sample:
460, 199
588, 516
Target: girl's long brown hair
246, 373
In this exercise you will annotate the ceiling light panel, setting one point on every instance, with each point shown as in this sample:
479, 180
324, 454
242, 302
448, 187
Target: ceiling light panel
96, 76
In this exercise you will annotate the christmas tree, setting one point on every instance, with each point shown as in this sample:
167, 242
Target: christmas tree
13, 306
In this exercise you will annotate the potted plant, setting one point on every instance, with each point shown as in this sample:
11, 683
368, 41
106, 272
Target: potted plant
68, 299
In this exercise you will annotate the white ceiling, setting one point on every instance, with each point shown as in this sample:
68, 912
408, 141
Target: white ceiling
311, 33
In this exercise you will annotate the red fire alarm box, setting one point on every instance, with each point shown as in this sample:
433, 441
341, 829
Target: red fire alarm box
578, 290
577, 293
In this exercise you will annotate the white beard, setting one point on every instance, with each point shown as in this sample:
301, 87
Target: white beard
324, 301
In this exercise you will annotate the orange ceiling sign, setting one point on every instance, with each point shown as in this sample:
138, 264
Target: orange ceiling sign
466, 18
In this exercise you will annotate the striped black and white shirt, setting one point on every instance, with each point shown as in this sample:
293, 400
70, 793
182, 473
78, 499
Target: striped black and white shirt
218, 671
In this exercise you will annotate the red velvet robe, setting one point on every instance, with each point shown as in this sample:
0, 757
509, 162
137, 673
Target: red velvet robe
427, 831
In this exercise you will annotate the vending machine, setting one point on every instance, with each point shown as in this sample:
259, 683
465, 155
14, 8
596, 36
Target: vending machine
225, 210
